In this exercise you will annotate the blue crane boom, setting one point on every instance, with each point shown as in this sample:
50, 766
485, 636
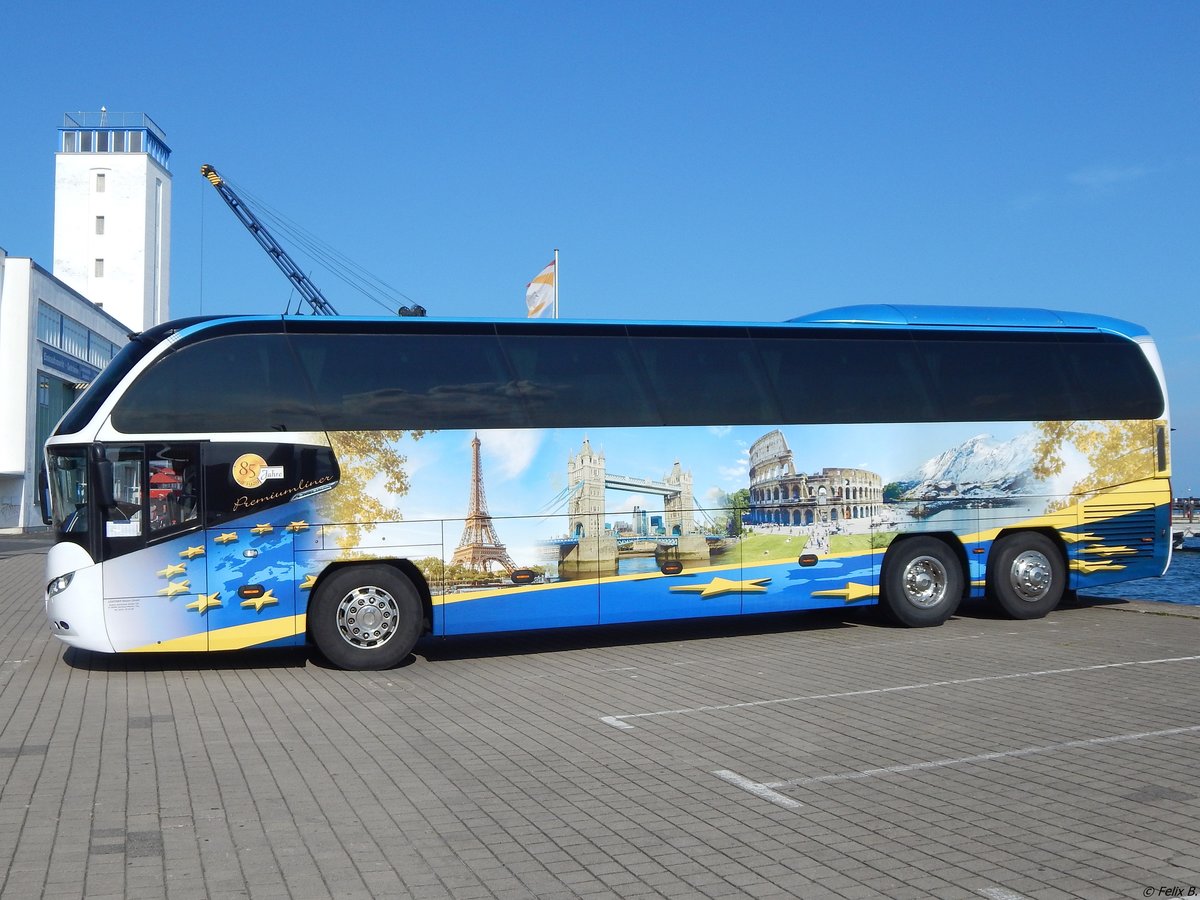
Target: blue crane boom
246, 216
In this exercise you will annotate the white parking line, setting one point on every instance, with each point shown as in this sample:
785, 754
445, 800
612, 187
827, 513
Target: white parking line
759, 790
620, 720
999, 893
767, 790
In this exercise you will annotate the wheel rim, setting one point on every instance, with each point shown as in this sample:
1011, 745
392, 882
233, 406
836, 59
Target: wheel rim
367, 617
1031, 576
925, 580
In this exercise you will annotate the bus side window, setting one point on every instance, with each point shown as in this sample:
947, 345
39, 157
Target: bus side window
174, 486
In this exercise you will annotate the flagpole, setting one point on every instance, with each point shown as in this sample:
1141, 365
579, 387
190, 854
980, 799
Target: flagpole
556, 282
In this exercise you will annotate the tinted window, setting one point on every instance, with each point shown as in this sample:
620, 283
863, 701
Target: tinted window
988, 378
708, 380
519, 375
246, 382
580, 380
836, 377
410, 381
1113, 378
174, 486
1023, 377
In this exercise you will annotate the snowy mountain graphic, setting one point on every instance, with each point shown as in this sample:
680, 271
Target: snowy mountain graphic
975, 468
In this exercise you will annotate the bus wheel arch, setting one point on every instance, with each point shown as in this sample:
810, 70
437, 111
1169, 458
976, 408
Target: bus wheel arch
923, 579
1026, 573
369, 614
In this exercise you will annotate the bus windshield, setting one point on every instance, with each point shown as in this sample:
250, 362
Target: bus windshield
69, 489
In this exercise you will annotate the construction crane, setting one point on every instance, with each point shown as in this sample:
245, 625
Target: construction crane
246, 216
299, 280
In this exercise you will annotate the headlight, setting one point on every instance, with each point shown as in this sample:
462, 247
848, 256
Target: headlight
59, 584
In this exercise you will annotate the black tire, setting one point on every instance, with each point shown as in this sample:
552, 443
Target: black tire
1027, 575
922, 582
366, 617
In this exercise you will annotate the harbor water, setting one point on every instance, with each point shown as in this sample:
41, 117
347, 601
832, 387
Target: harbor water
1181, 584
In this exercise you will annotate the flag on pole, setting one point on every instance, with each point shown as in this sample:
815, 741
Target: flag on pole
539, 293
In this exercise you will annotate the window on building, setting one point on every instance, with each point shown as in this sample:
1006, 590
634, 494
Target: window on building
102, 142
75, 338
99, 182
99, 224
100, 350
99, 268
70, 141
49, 324
135, 142
65, 333
85, 141
54, 397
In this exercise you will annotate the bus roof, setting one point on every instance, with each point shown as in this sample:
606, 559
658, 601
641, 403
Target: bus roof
881, 315
967, 317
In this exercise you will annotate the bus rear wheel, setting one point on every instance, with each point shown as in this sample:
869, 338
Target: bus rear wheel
1026, 575
922, 582
366, 617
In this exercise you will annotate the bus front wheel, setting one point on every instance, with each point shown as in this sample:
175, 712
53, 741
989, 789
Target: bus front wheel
366, 617
922, 582
1026, 575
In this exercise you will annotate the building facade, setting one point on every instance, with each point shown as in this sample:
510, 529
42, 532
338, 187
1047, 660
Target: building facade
56, 340
112, 214
112, 232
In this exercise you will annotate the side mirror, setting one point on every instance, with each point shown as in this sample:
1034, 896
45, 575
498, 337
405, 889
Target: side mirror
104, 483
44, 496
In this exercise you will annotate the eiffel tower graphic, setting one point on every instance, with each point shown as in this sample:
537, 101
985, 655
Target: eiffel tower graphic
479, 546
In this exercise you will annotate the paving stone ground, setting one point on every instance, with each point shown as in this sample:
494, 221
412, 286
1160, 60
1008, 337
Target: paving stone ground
819, 755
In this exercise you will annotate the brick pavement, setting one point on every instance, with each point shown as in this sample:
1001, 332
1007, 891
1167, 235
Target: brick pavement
819, 755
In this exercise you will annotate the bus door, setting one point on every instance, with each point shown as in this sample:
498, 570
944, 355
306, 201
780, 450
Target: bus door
153, 546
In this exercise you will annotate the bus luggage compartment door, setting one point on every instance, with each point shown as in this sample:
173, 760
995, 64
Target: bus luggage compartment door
251, 597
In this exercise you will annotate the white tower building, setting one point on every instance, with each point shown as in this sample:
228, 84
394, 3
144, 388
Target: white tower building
112, 214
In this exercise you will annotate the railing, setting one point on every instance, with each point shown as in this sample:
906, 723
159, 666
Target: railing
113, 120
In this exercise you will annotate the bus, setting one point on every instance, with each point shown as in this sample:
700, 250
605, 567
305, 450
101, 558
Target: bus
249, 481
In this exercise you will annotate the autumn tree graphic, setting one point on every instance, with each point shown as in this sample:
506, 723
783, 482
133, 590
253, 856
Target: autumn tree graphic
1118, 452
364, 456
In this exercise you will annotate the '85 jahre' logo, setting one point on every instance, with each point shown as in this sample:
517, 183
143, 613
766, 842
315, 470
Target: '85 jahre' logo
250, 470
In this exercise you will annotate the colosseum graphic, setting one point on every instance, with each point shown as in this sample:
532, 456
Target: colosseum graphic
779, 495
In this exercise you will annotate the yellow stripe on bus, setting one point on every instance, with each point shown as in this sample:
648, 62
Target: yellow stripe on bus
235, 637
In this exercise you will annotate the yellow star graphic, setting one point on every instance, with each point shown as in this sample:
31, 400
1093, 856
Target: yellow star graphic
203, 602
261, 529
175, 587
297, 526
309, 582
228, 537
719, 586
851, 593
1088, 568
172, 569
192, 552
1071, 538
259, 602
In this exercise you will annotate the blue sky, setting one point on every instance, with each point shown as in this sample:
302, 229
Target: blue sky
714, 161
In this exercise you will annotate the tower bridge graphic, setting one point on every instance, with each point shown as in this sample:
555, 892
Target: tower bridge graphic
588, 479
590, 549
